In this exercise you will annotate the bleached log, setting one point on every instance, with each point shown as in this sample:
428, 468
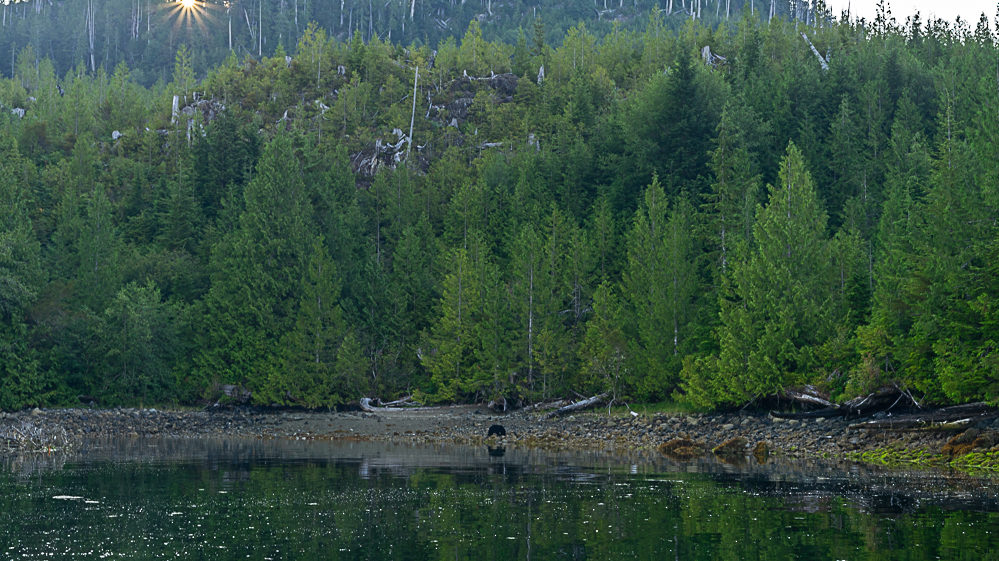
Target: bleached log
367, 405
948, 418
542, 405
808, 396
408, 400
578, 406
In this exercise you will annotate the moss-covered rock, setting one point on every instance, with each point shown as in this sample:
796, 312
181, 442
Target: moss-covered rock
682, 449
732, 448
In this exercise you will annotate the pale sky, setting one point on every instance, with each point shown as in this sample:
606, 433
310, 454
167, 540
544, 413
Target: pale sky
969, 10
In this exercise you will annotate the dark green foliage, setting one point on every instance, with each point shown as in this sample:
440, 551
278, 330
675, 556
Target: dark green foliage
257, 273
22, 382
138, 343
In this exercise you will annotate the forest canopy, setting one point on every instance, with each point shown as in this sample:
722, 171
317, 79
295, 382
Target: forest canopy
698, 209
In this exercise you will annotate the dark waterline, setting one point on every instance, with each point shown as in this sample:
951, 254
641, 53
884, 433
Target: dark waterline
252, 499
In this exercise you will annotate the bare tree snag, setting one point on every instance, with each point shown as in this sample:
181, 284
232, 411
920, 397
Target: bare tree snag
822, 61
412, 117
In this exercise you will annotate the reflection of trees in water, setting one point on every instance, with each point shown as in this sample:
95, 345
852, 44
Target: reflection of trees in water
23, 465
447, 502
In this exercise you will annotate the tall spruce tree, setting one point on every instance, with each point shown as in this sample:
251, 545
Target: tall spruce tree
731, 204
883, 341
779, 313
22, 383
453, 352
256, 276
659, 283
319, 344
949, 265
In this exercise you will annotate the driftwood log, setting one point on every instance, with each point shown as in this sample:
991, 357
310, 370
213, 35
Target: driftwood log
578, 406
884, 399
376, 406
958, 417
237, 394
402, 402
544, 405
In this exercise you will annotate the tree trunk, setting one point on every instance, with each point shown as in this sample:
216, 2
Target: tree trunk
578, 406
412, 117
948, 418
822, 61
367, 405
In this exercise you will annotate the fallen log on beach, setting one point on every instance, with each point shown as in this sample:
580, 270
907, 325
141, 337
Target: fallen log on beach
577, 406
884, 399
957, 417
370, 405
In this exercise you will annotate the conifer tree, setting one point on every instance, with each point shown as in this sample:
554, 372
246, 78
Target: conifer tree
311, 375
946, 274
883, 340
138, 342
450, 347
731, 203
781, 292
604, 351
659, 283
22, 382
256, 278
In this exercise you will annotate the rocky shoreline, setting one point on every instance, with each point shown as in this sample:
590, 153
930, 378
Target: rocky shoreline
751, 436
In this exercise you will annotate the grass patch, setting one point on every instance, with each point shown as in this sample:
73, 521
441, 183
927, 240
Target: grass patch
656, 408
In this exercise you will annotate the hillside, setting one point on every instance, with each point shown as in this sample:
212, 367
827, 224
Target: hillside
702, 213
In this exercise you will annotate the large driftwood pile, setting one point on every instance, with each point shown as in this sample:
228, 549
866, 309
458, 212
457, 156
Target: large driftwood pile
377, 406
27, 437
958, 417
884, 399
896, 410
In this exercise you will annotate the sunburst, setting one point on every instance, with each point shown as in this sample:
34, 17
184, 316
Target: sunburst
186, 13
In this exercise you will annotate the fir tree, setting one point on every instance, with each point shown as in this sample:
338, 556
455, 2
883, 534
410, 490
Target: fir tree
781, 292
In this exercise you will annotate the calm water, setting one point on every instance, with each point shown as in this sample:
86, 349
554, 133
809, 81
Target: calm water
176, 499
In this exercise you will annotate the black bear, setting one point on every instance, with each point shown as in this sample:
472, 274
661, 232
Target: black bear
496, 430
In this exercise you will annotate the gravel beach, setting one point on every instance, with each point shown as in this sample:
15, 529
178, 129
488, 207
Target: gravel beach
738, 435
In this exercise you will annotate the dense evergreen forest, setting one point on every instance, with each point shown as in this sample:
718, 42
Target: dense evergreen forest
145, 34
681, 209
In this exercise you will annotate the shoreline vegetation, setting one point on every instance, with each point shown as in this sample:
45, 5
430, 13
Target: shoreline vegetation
701, 211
